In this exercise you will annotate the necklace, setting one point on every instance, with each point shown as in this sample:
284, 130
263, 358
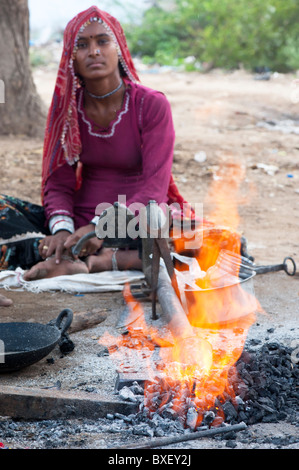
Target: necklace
101, 97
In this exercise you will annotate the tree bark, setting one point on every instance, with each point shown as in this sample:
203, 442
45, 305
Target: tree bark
23, 111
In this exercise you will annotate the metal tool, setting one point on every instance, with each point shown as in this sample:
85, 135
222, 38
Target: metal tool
76, 249
156, 234
285, 266
233, 263
161, 250
112, 228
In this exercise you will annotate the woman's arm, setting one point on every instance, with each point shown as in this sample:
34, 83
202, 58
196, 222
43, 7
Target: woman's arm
157, 136
59, 199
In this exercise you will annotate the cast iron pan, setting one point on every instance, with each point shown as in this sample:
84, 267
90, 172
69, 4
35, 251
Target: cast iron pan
23, 344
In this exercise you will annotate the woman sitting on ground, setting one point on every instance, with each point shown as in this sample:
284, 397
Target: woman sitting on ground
106, 135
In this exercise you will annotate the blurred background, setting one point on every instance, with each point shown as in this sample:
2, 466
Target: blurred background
187, 34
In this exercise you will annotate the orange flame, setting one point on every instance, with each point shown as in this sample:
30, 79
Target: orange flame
220, 311
223, 308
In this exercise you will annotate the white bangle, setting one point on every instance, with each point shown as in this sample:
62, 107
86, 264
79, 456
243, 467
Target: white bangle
61, 222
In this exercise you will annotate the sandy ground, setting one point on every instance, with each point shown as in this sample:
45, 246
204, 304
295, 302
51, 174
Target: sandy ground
217, 114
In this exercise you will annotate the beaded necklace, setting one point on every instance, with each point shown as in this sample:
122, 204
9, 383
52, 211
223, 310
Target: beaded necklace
102, 97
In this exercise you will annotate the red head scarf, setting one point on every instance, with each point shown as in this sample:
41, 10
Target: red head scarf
62, 136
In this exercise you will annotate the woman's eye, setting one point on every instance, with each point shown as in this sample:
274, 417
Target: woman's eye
81, 45
102, 42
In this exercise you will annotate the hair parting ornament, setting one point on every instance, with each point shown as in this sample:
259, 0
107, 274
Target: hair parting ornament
111, 33
76, 80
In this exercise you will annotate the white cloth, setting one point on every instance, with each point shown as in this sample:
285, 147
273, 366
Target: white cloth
76, 283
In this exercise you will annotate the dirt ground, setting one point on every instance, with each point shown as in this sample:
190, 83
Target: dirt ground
218, 114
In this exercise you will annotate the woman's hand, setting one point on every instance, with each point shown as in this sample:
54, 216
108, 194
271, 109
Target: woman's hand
53, 244
90, 247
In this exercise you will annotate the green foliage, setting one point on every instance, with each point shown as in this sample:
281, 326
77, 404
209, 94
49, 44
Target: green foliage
38, 57
225, 33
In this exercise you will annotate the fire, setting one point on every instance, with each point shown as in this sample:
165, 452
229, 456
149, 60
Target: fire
198, 368
223, 308
135, 347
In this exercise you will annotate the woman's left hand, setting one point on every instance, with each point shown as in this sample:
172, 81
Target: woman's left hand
90, 247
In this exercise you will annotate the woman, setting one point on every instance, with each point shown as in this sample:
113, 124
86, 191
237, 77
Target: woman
106, 136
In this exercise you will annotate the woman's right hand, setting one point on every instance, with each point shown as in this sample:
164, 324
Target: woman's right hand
53, 244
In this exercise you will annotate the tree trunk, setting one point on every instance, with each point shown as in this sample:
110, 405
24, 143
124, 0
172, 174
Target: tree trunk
23, 111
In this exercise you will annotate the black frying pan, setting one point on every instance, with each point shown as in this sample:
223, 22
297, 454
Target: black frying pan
23, 344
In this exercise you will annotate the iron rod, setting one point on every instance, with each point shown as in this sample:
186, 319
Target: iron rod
165, 441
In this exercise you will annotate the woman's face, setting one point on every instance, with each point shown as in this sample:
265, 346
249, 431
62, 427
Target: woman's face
97, 55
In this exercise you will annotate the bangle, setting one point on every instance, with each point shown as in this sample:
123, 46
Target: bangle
114, 261
61, 222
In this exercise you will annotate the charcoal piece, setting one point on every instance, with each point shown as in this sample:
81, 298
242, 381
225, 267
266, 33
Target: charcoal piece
255, 342
231, 444
267, 409
245, 357
242, 390
127, 380
279, 441
266, 401
66, 345
159, 432
126, 394
248, 380
274, 388
273, 346
256, 417
286, 372
270, 418
229, 436
191, 419
242, 416
103, 352
282, 415
230, 411
169, 413
209, 417
239, 402
143, 430
136, 388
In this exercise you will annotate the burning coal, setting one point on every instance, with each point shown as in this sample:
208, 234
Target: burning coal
192, 380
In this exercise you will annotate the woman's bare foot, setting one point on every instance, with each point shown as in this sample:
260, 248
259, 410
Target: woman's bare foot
125, 259
48, 268
5, 302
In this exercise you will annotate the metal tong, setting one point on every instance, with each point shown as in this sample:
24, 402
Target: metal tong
285, 266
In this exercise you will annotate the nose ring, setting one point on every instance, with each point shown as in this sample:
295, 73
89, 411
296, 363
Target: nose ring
98, 51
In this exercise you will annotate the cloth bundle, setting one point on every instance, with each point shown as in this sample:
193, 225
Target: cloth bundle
76, 283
